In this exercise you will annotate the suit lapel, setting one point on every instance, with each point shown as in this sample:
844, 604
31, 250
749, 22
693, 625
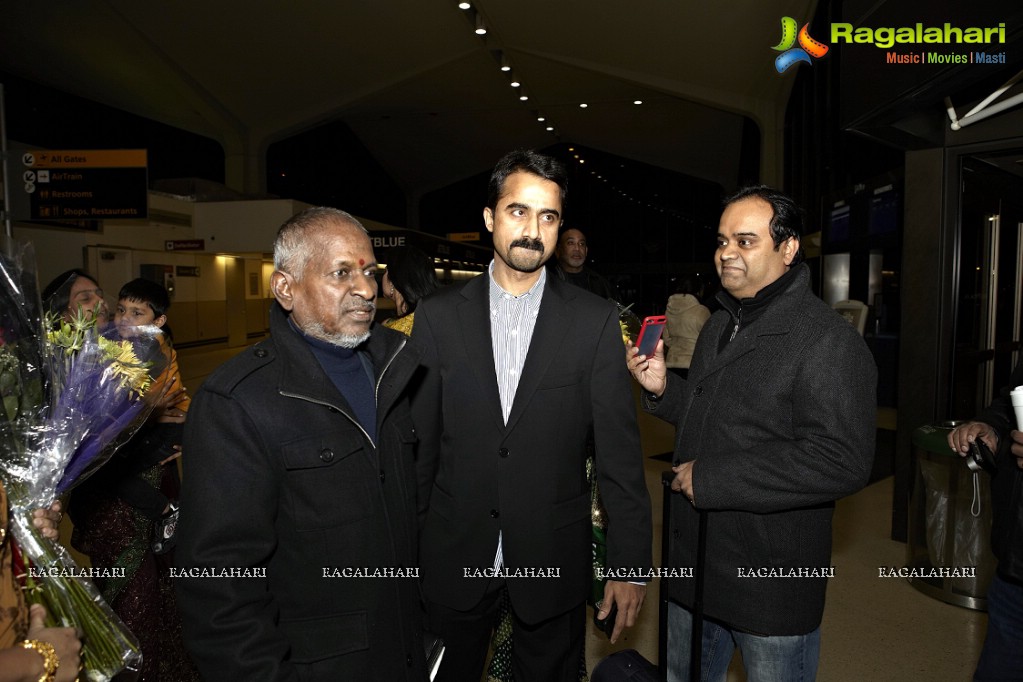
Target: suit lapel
474, 320
552, 322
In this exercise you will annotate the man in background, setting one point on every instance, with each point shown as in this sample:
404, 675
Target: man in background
1002, 655
570, 265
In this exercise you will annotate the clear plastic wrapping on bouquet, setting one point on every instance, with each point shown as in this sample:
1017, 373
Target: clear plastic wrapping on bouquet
629, 322
53, 579
72, 394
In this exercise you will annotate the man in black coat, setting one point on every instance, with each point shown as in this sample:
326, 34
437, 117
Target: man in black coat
519, 368
1002, 655
775, 422
298, 518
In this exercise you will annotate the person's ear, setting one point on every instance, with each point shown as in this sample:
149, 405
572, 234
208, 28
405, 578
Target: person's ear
280, 285
488, 219
791, 249
160, 321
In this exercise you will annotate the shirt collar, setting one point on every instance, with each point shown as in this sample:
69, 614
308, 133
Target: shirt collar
497, 292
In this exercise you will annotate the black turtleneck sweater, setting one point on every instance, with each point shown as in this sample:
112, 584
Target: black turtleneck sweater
351, 372
745, 312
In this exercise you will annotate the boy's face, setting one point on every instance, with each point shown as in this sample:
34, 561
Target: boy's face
131, 314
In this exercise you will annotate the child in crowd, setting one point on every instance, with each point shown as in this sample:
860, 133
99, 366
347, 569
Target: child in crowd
142, 303
125, 514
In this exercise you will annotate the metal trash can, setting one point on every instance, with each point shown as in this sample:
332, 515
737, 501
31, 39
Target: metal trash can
949, 523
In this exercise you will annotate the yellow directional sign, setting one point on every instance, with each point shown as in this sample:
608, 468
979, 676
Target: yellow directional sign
85, 184
85, 158
463, 236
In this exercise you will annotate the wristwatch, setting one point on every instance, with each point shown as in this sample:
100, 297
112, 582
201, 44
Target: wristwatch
50, 660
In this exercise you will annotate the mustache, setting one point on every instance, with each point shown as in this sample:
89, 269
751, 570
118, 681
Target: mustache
364, 307
527, 243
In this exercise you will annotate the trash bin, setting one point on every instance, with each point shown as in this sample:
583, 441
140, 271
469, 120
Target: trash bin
949, 539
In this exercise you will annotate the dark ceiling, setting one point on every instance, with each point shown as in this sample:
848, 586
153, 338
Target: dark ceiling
414, 84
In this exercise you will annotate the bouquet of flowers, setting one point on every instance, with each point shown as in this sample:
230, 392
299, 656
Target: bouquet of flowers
629, 323
71, 396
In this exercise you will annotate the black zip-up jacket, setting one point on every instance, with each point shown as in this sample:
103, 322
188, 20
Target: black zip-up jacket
280, 481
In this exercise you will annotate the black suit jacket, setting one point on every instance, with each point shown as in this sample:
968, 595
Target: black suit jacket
527, 480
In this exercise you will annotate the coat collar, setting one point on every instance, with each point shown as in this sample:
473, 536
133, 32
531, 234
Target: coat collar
392, 358
775, 320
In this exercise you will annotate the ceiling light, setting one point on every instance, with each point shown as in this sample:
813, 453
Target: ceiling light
583, 105
515, 83
481, 28
505, 66
637, 101
522, 95
464, 5
541, 118
550, 127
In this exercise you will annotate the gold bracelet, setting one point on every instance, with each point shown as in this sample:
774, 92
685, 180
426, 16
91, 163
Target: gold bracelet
50, 660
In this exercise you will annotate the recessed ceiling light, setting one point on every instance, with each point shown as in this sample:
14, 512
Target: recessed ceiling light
550, 127
515, 83
583, 105
637, 101
481, 28
464, 5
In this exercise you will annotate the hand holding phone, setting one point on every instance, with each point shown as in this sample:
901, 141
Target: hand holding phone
650, 334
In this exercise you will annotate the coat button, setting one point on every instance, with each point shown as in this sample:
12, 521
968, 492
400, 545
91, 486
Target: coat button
699, 391
333, 409
676, 534
408, 660
260, 352
326, 455
494, 513
381, 475
503, 452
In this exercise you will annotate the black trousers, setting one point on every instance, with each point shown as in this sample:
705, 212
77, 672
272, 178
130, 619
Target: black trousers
548, 651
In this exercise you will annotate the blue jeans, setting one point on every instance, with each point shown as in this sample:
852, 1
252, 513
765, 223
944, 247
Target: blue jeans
1002, 655
766, 659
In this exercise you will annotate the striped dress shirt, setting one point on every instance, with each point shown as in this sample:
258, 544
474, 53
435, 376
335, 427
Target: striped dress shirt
512, 320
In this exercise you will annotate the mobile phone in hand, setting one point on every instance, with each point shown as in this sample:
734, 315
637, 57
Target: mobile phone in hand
650, 334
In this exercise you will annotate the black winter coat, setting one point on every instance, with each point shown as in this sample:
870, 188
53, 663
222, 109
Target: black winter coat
278, 476
781, 423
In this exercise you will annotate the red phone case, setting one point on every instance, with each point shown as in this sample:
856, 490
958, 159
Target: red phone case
657, 322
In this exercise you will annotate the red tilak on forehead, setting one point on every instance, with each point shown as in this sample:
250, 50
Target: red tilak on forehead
361, 262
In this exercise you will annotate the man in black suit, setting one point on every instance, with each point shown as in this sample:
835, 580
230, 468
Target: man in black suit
519, 367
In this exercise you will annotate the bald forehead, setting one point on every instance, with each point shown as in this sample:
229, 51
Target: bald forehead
572, 233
